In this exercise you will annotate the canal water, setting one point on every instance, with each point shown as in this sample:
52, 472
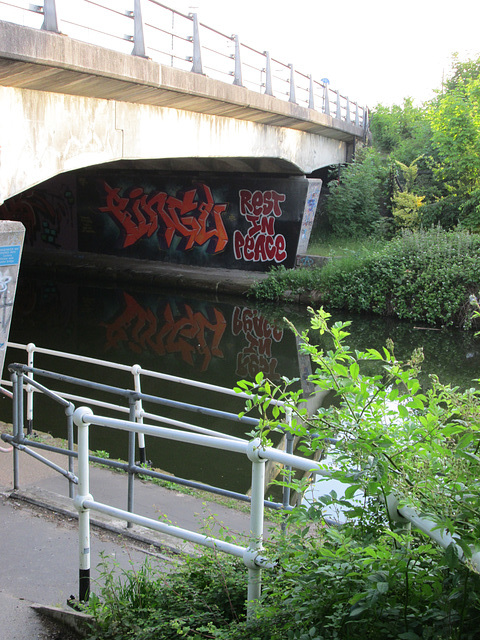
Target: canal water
210, 339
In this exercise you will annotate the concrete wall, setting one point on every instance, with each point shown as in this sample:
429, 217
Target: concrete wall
44, 134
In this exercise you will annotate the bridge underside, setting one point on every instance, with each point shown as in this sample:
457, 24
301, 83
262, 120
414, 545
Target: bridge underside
46, 134
115, 154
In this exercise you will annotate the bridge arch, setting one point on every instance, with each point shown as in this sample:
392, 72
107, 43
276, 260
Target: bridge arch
47, 134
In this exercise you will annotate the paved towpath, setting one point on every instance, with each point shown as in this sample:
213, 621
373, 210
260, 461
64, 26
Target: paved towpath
38, 530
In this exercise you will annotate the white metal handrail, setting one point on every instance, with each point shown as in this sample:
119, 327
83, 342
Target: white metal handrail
137, 372
178, 40
256, 452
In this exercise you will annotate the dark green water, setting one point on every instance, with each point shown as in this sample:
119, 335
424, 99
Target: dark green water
215, 340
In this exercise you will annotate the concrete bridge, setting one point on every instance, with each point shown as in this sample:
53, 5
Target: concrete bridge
70, 105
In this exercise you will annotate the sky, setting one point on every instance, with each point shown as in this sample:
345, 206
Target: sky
374, 51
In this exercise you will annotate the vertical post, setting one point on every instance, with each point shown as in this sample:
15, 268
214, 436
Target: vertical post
69, 413
268, 75
50, 21
365, 119
256, 526
339, 107
289, 438
16, 428
138, 30
357, 116
197, 49
326, 99
311, 96
238, 64
131, 462
347, 116
83, 493
29, 388
136, 370
292, 97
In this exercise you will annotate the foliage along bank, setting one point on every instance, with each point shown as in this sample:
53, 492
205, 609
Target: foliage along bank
373, 576
424, 276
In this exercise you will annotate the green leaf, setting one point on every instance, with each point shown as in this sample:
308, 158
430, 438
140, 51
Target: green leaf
259, 377
354, 370
382, 587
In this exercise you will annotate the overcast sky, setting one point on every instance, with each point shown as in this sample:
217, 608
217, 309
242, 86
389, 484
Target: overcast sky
374, 51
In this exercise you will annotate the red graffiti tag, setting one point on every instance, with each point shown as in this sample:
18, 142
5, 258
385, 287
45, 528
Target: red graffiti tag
194, 217
192, 335
257, 355
260, 243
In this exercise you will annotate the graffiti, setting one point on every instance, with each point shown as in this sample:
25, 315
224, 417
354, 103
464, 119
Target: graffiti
260, 243
41, 212
257, 355
193, 218
306, 262
313, 194
195, 337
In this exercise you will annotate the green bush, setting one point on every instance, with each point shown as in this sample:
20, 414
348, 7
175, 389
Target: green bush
205, 594
370, 578
426, 276
355, 201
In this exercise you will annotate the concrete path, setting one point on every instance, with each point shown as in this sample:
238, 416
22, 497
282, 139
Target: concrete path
38, 530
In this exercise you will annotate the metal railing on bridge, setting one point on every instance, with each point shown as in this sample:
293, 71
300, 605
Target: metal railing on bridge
182, 41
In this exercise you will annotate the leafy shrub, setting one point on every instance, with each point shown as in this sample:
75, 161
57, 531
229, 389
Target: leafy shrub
355, 202
207, 593
426, 276
370, 578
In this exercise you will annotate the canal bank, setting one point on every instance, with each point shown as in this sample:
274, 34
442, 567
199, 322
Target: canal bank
100, 267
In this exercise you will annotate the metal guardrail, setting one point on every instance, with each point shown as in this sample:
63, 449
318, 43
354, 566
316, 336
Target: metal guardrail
84, 502
256, 452
133, 400
182, 41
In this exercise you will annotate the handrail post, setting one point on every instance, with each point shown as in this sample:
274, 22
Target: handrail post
339, 107
197, 49
289, 438
50, 21
29, 387
16, 429
268, 75
83, 493
238, 63
256, 526
311, 96
131, 462
347, 116
326, 99
357, 116
138, 30
136, 371
292, 97
69, 413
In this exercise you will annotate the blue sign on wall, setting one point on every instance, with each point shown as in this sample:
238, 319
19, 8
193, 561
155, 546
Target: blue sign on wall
10, 255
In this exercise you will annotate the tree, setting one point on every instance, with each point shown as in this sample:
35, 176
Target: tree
356, 197
455, 122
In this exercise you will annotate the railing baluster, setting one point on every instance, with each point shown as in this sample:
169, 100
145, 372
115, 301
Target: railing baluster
29, 387
50, 20
311, 96
138, 31
238, 64
197, 49
142, 455
292, 85
268, 75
